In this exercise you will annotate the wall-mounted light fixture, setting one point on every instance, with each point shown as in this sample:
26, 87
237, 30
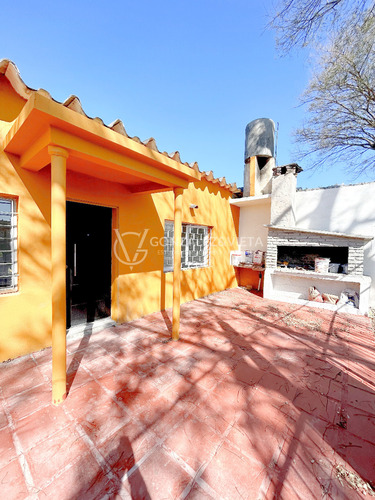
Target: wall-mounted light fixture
193, 206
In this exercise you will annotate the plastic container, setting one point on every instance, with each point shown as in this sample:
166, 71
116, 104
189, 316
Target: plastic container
333, 267
322, 264
248, 257
258, 257
236, 257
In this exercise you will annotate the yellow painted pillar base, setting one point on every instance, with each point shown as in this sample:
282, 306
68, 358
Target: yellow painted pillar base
58, 257
178, 192
58, 391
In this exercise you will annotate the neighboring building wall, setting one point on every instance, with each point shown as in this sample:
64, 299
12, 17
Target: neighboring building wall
253, 218
253, 235
345, 209
25, 315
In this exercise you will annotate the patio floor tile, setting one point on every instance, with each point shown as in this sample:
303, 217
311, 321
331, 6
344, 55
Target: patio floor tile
159, 476
13, 486
27, 402
194, 442
163, 415
49, 457
10, 370
84, 479
23, 381
7, 449
43, 423
102, 419
126, 447
258, 400
80, 402
197, 493
232, 475
3, 417
137, 397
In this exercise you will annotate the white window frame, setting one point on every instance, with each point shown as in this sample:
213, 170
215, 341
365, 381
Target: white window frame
13, 246
186, 262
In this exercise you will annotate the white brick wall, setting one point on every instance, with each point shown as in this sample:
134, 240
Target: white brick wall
278, 237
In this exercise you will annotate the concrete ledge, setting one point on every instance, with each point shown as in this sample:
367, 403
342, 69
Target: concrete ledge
352, 278
322, 233
79, 331
293, 286
250, 200
330, 307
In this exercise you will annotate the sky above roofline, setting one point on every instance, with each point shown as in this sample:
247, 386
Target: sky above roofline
191, 74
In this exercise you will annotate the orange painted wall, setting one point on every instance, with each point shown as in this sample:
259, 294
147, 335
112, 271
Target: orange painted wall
10, 102
25, 315
149, 289
249, 277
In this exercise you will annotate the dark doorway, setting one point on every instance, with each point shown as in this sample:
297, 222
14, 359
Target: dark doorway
88, 259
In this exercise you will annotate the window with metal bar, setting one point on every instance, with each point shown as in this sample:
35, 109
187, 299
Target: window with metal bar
8, 245
195, 246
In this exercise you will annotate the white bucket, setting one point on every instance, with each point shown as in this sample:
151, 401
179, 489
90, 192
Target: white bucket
322, 264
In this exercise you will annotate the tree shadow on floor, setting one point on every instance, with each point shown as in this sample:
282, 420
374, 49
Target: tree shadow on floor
275, 375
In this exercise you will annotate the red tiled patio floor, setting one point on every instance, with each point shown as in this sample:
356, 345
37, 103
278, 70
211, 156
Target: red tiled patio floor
259, 399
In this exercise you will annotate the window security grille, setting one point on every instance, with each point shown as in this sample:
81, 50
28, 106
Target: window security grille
8, 245
195, 246
168, 246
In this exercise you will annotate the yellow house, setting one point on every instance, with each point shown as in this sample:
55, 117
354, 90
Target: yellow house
97, 224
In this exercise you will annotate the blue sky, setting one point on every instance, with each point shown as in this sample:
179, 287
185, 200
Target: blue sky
191, 74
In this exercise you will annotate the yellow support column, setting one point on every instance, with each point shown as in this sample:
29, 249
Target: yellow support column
177, 263
58, 257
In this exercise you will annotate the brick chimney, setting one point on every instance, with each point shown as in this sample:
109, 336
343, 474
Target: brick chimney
284, 183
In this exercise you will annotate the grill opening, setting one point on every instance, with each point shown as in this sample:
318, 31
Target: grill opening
303, 257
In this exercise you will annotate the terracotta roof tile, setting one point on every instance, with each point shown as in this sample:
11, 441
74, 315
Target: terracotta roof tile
74, 103
151, 143
136, 139
118, 127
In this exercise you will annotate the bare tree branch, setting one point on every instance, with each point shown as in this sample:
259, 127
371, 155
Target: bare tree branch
300, 22
341, 99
